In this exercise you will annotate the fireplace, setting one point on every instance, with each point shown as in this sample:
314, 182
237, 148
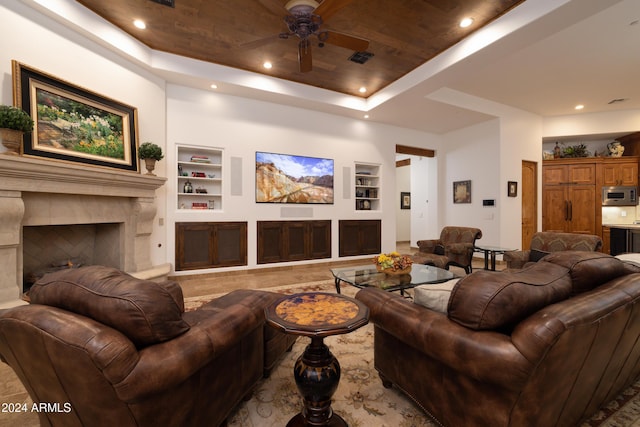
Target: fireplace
47, 248
51, 210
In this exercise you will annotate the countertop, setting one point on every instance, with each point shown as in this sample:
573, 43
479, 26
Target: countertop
627, 226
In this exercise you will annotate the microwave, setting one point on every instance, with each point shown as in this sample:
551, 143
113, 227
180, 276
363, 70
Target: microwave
620, 196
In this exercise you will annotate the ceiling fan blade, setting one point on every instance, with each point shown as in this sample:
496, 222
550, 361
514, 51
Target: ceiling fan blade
328, 8
304, 56
346, 41
274, 6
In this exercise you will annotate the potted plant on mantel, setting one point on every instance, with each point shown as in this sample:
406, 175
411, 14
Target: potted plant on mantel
14, 123
150, 153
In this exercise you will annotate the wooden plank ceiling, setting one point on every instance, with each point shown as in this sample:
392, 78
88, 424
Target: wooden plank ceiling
402, 35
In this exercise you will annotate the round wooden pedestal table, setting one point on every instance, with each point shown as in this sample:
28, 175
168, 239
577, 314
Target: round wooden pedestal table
317, 371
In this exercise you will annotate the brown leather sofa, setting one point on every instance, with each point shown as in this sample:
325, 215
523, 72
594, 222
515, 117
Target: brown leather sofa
545, 242
454, 247
112, 350
543, 346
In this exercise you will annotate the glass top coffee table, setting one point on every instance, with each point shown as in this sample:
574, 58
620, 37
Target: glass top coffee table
362, 276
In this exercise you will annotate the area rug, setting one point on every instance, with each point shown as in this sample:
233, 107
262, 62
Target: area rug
360, 398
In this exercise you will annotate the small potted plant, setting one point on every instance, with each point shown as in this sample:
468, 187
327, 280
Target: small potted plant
14, 123
150, 153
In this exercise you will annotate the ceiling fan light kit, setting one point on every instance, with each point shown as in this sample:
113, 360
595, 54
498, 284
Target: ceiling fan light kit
301, 6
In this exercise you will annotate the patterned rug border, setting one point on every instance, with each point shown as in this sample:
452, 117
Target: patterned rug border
623, 411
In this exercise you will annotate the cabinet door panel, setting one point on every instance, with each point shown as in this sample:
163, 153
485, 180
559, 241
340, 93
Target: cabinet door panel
193, 246
554, 209
620, 174
270, 242
629, 174
582, 215
554, 174
321, 239
230, 244
297, 241
582, 174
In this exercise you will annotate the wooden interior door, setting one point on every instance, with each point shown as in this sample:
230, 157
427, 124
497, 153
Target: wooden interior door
529, 201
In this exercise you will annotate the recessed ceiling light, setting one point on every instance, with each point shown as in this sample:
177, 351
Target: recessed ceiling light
579, 107
213, 86
366, 116
466, 22
362, 89
268, 65
139, 24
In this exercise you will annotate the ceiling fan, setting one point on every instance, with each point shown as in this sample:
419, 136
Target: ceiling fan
304, 19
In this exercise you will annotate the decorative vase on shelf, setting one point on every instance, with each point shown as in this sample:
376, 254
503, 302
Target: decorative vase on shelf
12, 140
557, 151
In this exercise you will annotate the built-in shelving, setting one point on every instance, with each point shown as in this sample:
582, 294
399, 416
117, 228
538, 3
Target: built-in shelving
367, 186
199, 182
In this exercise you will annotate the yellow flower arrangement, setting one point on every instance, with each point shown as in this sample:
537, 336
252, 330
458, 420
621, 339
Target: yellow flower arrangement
392, 261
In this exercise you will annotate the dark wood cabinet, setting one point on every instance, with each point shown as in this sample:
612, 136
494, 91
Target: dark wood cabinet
360, 237
210, 244
281, 241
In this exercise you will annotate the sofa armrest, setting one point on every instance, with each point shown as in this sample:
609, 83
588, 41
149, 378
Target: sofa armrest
189, 352
516, 259
429, 245
483, 355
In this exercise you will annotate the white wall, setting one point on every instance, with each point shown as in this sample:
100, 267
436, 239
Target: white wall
41, 43
592, 123
424, 197
520, 139
243, 126
473, 154
403, 216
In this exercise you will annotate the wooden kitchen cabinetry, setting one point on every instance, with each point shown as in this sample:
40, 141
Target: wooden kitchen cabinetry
619, 171
572, 191
569, 197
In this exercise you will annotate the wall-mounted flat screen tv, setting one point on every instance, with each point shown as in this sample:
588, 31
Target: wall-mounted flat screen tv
284, 178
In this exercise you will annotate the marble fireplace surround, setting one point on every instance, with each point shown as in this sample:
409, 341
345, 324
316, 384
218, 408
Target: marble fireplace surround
42, 192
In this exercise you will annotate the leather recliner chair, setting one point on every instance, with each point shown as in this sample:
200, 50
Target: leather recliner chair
454, 247
114, 350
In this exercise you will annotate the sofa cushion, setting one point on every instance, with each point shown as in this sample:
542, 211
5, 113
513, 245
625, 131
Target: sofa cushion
434, 296
490, 300
145, 311
588, 269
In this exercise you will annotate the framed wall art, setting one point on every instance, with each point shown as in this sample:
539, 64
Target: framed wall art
512, 188
462, 192
405, 200
74, 124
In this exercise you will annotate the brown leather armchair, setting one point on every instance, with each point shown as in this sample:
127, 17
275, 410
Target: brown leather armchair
454, 247
114, 350
545, 242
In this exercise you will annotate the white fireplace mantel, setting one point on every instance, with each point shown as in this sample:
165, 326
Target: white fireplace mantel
36, 191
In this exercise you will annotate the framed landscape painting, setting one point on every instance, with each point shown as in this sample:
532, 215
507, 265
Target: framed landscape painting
75, 124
